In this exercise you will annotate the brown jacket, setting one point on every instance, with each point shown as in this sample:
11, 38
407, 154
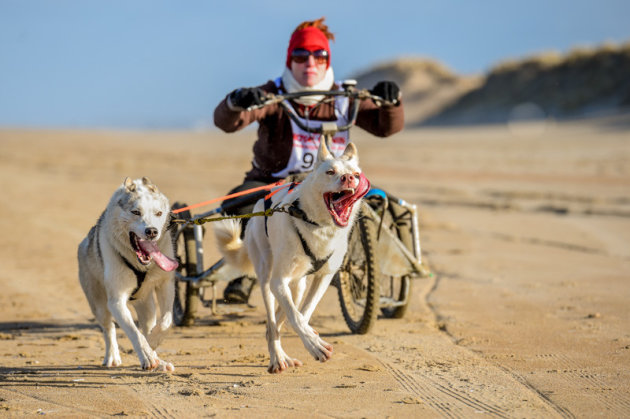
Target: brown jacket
275, 138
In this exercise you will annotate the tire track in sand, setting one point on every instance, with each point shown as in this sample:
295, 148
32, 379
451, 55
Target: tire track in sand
448, 401
450, 378
615, 401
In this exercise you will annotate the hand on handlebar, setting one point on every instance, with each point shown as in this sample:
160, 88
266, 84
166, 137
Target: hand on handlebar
384, 93
388, 91
246, 98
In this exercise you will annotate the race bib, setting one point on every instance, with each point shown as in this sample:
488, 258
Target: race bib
305, 144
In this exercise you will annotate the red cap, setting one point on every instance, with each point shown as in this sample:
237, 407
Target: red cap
309, 38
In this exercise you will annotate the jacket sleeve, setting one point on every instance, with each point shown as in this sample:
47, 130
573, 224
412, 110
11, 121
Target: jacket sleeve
381, 121
230, 121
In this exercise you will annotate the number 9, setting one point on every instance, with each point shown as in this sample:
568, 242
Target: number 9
307, 161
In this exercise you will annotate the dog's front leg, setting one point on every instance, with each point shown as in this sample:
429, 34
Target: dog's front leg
278, 359
321, 350
145, 310
297, 291
165, 294
122, 314
112, 354
317, 290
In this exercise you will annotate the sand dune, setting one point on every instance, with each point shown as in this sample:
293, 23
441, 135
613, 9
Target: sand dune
584, 82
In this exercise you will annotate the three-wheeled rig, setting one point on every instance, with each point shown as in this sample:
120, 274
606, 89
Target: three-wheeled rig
383, 253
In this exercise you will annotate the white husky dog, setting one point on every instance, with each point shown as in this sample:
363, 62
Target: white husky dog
284, 249
116, 267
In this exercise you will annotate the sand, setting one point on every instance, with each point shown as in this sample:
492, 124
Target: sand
526, 315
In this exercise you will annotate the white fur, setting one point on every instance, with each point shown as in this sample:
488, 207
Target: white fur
108, 282
279, 260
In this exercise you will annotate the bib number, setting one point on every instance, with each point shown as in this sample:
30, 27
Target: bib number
305, 145
307, 161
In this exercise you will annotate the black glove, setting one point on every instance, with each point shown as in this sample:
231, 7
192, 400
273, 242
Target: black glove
388, 91
246, 98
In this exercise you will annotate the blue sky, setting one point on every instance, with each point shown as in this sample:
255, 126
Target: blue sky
137, 64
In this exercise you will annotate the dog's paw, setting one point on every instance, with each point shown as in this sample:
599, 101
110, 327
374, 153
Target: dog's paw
112, 361
320, 349
150, 365
165, 366
280, 361
154, 363
281, 365
149, 360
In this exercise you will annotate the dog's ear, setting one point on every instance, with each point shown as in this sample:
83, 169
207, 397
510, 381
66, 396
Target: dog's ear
129, 185
350, 152
150, 186
323, 153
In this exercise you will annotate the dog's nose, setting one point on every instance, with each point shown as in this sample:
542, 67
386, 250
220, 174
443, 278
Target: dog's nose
151, 232
348, 180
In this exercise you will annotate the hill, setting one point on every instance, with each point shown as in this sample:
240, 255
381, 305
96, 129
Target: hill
582, 83
428, 86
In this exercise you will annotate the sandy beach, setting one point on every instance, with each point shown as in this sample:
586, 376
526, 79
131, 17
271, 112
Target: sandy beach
526, 315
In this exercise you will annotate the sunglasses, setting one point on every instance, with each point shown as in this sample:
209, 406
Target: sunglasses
300, 55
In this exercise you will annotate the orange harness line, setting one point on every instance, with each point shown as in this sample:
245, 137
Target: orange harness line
234, 195
282, 187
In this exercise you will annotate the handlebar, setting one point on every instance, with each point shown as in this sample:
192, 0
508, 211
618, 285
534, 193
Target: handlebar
348, 90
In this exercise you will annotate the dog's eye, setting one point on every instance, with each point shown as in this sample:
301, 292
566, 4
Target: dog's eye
158, 214
357, 175
330, 172
136, 212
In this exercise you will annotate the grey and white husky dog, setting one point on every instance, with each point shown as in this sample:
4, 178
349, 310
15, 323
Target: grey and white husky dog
127, 259
284, 250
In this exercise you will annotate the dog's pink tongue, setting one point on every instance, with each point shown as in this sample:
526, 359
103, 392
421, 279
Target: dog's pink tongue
160, 258
364, 186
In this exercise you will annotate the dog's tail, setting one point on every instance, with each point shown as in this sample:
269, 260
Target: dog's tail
232, 247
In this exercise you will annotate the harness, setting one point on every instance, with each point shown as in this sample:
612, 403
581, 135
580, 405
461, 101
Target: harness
140, 276
316, 264
295, 211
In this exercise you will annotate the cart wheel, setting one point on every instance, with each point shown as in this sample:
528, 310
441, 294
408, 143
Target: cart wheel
186, 296
358, 286
397, 288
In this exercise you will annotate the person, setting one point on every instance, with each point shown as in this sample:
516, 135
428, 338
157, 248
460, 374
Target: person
280, 148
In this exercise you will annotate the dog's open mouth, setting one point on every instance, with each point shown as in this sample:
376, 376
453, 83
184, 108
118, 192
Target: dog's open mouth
147, 250
340, 203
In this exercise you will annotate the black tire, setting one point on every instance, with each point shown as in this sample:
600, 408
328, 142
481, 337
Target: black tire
179, 303
185, 300
358, 287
